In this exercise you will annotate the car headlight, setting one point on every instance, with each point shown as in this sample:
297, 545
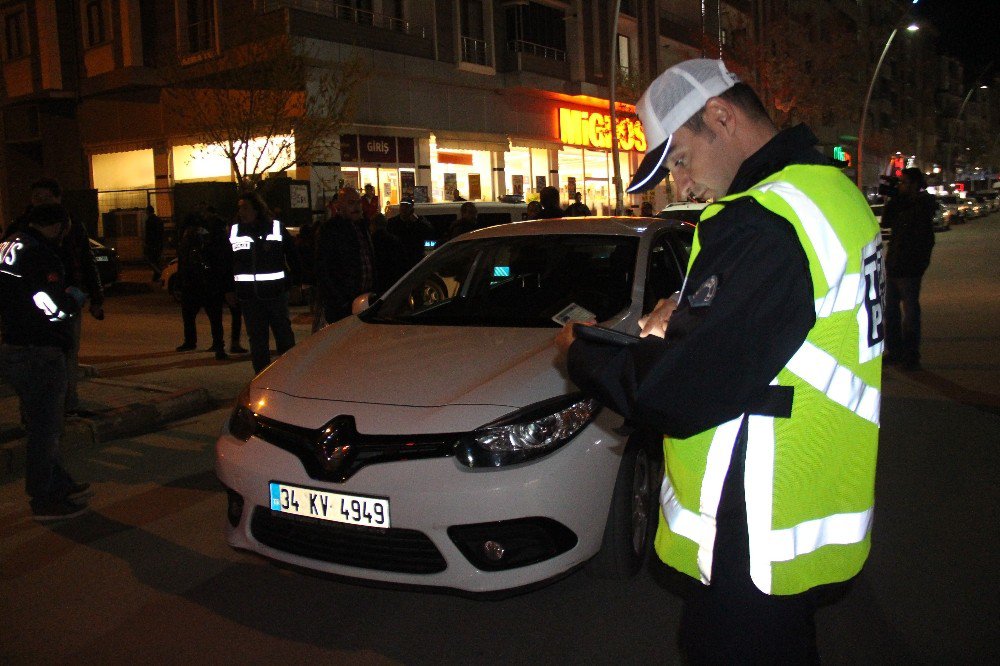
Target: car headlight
528, 433
243, 420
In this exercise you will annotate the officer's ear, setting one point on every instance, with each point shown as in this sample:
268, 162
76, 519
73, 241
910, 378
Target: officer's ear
720, 115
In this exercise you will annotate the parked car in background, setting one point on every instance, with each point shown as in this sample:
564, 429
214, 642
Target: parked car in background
442, 214
438, 443
108, 266
952, 208
685, 211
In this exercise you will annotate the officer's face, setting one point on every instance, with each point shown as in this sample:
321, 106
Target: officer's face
702, 167
43, 195
246, 212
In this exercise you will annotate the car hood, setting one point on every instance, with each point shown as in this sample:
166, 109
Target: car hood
421, 366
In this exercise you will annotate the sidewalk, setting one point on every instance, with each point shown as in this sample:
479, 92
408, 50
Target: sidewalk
130, 391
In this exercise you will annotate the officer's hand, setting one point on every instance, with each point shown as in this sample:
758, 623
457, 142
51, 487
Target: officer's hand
656, 322
97, 312
567, 335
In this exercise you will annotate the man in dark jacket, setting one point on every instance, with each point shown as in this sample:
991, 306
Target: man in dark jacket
412, 231
910, 217
549, 198
345, 257
37, 308
202, 282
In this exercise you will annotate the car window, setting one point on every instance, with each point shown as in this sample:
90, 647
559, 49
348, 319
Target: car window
519, 281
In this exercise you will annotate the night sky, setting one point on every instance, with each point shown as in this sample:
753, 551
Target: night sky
970, 31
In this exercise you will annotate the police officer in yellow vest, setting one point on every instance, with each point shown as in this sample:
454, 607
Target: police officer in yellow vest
764, 378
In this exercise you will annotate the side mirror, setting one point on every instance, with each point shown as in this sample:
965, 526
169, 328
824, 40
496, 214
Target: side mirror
362, 302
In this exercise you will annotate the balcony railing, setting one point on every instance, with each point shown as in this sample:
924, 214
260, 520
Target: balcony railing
537, 50
476, 51
347, 13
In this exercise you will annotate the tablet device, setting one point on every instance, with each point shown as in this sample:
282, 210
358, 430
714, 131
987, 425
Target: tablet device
603, 335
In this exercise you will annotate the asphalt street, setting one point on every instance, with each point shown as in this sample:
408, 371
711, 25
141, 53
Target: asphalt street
147, 577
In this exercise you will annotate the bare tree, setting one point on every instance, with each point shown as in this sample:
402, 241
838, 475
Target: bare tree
265, 105
802, 72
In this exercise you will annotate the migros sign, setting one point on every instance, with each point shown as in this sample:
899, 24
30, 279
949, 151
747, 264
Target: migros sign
593, 130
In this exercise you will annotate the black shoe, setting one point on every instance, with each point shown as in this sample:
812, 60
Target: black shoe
78, 491
186, 347
237, 349
220, 355
66, 508
217, 348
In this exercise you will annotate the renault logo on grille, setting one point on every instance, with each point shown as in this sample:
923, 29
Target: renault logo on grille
334, 443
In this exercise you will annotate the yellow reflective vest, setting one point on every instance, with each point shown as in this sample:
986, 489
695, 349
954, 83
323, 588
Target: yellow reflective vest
810, 478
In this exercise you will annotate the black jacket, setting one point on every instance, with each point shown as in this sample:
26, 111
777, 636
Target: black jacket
342, 247
911, 219
262, 254
78, 259
411, 237
34, 306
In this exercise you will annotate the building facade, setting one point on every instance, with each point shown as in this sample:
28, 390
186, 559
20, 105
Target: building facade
478, 99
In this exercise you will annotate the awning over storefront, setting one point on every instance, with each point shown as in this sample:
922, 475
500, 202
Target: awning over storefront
472, 141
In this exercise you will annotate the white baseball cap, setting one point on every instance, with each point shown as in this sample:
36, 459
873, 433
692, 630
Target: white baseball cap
669, 102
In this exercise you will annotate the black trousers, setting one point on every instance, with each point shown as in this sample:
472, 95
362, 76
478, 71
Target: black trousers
902, 318
193, 300
263, 315
731, 621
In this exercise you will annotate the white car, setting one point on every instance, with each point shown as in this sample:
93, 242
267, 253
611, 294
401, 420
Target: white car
438, 441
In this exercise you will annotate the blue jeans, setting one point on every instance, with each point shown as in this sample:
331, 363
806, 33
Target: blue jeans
38, 375
902, 318
261, 314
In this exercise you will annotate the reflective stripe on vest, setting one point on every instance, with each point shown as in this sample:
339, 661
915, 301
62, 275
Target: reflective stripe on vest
839, 384
768, 545
275, 234
700, 527
239, 242
259, 277
45, 303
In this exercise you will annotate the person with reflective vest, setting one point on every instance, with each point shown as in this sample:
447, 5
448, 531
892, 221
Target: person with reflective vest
764, 375
263, 255
37, 309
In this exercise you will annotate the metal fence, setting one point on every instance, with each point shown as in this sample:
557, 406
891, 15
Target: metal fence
346, 13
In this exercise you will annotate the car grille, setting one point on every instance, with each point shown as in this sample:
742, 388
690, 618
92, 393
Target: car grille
357, 450
403, 551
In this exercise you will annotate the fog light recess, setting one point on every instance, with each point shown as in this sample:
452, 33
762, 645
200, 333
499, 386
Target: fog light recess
234, 511
512, 543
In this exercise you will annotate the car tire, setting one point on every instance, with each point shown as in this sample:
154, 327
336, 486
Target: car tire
634, 510
174, 288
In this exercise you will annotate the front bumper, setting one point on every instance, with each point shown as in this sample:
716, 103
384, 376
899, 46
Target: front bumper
570, 488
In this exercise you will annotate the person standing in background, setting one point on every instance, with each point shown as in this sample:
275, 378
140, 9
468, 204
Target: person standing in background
910, 217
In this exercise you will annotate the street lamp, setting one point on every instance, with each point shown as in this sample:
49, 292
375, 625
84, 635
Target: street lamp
619, 195
961, 110
912, 27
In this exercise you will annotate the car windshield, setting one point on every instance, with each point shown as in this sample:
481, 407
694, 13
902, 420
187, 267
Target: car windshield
518, 282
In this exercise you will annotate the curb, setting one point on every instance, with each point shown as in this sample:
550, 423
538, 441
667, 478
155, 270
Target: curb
137, 418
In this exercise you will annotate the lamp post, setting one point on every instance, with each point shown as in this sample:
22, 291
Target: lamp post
619, 195
913, 27
961, 110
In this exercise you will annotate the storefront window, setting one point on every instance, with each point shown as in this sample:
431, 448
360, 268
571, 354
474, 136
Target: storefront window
123, 171
590, 173
465, 174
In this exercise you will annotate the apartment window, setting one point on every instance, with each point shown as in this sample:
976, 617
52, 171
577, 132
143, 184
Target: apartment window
96, 26
624, 54
473, 28
197, 25
15, 34
537, 29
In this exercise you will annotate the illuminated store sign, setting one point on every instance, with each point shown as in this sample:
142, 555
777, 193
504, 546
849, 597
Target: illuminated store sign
593, 130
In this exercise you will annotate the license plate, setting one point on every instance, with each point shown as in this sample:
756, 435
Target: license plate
335, 507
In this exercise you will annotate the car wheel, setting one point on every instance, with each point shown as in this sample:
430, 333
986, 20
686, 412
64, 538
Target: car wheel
173, 288
634, 509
